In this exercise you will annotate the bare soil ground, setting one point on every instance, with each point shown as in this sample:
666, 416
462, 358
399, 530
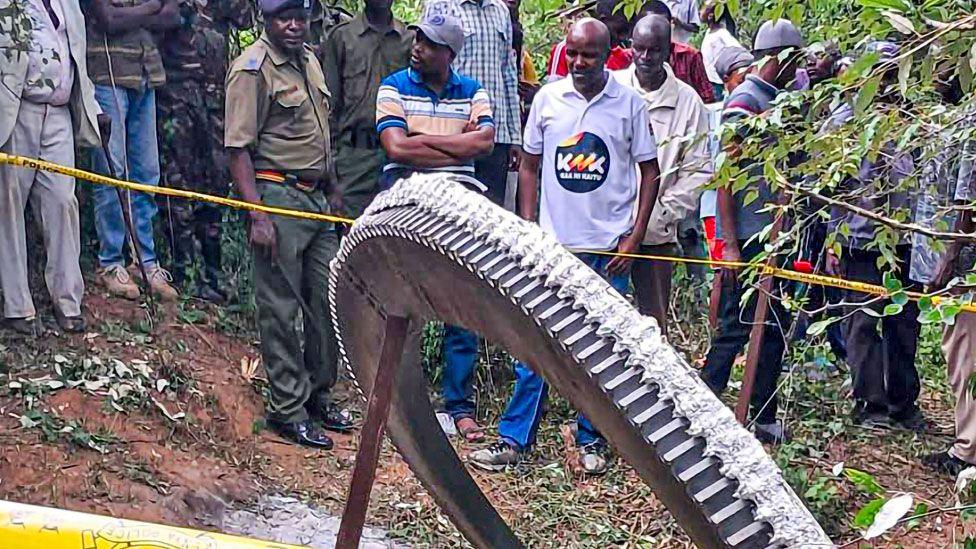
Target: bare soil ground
174, 435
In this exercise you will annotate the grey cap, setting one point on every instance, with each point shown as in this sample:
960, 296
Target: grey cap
730, 59
445, 30
777, 34
273, 7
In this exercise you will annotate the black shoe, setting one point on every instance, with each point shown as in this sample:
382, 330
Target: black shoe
871, 419
211, 295
23, 326
912, 420
771, 433
332, 418
69, 324
301, 432
946, 463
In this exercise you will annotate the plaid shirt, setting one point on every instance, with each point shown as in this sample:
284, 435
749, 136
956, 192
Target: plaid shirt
488, 57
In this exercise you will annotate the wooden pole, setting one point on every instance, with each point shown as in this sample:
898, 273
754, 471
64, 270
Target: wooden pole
756, 335
371, 436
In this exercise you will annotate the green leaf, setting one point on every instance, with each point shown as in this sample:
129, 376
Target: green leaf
893, 309
904, 72
891, 282
858, 68
866, 95
865, 517
901, 23
900, 298
914, 522
896, 5
865, 482
818, 327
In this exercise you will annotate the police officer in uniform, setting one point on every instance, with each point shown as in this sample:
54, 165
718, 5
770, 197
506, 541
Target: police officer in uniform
277, 138
356, 56
190, 119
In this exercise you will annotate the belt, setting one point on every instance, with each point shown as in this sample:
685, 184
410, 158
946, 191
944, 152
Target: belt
288, 179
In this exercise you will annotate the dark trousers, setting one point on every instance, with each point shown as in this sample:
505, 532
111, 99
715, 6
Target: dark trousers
186, 224
652, 283
732, 334
492, 171
882, 364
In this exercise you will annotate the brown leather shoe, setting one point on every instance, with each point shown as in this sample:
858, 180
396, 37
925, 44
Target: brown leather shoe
116, 280
159, 283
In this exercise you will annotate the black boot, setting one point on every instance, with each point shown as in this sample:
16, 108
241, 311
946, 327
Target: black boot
332, 417
305, 433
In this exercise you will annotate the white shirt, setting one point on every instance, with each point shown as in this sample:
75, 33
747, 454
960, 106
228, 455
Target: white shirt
713, 43
589, 151
685, 11
50, 73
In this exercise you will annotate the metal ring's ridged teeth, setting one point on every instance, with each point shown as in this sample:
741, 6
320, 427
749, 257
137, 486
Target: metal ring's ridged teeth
428, 209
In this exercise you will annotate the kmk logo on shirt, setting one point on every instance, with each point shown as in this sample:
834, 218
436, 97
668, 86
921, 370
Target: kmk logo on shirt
582, 163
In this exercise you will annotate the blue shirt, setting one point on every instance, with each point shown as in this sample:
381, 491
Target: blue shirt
751, 98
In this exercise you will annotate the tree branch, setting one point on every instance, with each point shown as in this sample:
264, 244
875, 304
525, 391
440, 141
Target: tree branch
876, 217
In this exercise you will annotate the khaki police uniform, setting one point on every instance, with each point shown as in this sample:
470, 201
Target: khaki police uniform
278, 109
356, 57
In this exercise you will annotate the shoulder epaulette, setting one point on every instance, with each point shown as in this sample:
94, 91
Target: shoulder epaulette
252, 58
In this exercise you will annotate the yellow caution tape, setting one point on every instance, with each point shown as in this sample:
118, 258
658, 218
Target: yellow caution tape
240, 204
36, 164
32, 527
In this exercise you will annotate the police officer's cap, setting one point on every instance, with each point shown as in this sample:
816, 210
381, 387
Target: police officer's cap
271, 8
780, 33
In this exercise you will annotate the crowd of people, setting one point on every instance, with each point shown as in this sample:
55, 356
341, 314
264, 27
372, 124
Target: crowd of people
612, 151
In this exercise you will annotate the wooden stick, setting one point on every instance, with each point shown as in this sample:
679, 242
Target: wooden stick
371, 436
756, 335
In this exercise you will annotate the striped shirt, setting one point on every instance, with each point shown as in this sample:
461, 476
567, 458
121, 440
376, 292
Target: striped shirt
488, 57
135, 59
405, 101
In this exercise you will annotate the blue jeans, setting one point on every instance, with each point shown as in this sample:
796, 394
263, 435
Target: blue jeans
520, 422
460, 359
135, 156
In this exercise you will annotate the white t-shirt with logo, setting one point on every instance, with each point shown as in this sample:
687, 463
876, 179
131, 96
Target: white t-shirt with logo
589, 151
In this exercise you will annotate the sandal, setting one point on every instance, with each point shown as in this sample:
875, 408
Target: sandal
469, 429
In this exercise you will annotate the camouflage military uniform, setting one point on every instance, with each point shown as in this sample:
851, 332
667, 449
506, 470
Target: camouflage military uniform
190, 122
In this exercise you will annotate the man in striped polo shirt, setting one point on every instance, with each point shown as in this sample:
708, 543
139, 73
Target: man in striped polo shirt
430, 118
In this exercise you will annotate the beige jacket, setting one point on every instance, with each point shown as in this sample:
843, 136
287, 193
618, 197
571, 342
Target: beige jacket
680, 123
13, 74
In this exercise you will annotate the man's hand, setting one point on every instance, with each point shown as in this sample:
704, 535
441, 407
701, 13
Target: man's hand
104, 126
832, 264
514, 158
262, 235
336, 203
628, 245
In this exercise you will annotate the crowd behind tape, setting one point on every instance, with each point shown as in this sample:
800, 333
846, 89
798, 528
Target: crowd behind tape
788, 274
